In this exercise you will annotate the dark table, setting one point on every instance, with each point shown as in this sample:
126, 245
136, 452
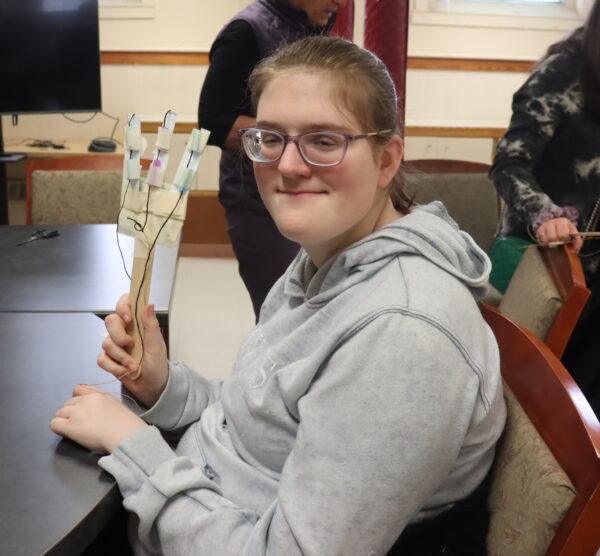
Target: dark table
79, 271
54, 499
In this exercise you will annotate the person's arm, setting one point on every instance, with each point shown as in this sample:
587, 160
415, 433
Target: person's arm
224, 104
378, 436
538, 109
177, 394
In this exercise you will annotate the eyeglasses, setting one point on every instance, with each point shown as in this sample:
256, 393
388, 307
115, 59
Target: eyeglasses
317, 148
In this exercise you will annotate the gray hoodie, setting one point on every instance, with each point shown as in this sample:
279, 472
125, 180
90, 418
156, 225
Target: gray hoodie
368, 397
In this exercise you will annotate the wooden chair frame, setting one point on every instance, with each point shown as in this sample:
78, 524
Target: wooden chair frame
565, 421
564, 266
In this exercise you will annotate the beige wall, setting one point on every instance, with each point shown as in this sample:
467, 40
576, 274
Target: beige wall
434, 98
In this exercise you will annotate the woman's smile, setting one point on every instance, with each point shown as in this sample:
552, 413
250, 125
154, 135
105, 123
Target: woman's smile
302, 193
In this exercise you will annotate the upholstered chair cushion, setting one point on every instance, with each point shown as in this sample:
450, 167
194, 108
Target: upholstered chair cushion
532, 299
75, 197
469, 198
493, 297
530, 492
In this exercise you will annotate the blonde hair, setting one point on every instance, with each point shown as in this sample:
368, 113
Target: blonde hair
360, 81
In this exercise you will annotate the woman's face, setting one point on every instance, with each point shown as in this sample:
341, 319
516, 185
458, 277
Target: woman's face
318, 11
325, 209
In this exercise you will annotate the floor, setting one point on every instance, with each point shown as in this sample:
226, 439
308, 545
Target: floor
211, 313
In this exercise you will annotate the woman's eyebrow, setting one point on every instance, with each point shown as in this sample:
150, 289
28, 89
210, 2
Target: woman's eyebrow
312, 126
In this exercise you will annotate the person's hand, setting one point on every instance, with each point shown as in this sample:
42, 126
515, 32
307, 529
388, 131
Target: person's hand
145, 382
95, 419
559, 229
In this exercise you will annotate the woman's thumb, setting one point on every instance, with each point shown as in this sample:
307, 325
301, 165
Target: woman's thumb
149, 320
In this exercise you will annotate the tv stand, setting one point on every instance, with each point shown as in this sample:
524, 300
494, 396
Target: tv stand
5, 158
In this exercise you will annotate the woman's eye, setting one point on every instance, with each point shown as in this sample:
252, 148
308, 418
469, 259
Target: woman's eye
323, 141
270, 139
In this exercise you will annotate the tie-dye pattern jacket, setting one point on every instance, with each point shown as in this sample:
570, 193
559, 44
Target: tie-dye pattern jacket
548, 163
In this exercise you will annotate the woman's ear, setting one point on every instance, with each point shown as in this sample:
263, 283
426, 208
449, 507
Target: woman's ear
390, 160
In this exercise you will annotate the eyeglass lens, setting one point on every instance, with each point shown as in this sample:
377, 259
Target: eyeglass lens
320, 148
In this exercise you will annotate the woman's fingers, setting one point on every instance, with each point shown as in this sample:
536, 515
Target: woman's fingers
124, 308
559, 230
58, 425
64, 412
117, 331
114, 367
85, 390
563, 229
153, 338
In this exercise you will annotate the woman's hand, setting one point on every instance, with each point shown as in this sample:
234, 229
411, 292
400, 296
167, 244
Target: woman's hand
559, 230
95, 419
146, 381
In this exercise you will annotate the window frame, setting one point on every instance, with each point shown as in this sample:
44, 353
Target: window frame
510, 15
126, 9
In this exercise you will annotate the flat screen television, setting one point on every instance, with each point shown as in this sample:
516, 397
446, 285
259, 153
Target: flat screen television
49, 56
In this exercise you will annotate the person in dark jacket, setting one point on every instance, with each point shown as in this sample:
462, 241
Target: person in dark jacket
547, 170
254, 33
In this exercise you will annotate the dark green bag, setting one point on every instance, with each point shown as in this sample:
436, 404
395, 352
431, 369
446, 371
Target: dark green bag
505, 255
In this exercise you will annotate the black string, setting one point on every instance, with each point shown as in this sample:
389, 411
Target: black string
136, 225
118, 220
137, 299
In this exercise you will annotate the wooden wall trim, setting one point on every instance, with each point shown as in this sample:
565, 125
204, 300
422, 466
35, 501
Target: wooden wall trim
154, 58
455, 131
469, 64
180, 127
157, 58
410, 131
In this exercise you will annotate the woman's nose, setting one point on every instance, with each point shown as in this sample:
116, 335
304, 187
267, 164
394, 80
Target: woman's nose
291, 162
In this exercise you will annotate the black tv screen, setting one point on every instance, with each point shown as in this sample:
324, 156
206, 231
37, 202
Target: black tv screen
49, 56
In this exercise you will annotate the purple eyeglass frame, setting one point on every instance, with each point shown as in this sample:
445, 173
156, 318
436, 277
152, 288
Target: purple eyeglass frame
296, 140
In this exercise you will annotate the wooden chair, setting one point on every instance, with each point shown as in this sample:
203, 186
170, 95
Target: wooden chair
547, 293
77, 189
465, 190
545, 496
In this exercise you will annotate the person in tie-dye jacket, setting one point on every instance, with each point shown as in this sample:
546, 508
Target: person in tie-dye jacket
547, 170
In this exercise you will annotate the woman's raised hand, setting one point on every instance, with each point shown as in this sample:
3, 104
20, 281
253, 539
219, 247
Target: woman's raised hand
147, 380
559, 230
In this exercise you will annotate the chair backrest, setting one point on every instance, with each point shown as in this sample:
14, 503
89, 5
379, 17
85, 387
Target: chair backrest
465, 190
545, 496
78, 189
547, 293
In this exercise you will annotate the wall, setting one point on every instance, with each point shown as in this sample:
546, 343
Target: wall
438, 98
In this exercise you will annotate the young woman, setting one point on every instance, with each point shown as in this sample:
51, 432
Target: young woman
547, 170
367, 403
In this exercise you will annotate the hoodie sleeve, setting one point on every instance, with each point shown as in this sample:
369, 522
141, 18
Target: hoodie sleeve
186, 395
381, 430
539, 107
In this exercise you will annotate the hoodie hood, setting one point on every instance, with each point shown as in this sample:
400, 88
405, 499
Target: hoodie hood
428, 231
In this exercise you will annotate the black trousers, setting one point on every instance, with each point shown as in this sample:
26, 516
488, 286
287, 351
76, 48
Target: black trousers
263, 254
582, 354
460, 531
